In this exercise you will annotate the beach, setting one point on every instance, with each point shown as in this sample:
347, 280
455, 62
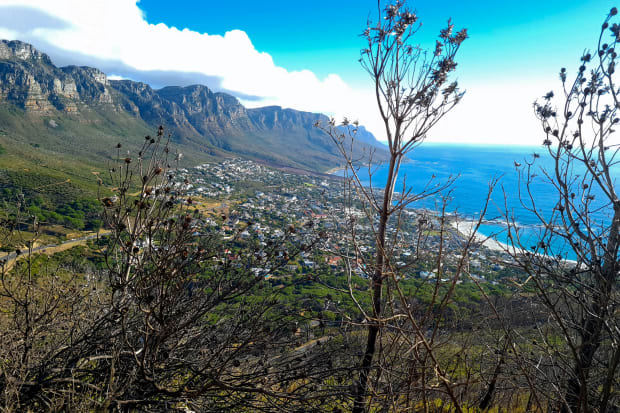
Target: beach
466, 227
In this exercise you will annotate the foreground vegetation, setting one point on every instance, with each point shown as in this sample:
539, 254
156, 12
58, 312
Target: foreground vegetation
233, 287
171, 312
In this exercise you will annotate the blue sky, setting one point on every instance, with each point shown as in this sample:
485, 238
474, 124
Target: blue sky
303, 54
506, 37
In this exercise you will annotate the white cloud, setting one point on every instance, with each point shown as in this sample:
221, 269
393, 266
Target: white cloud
116, 31
114, 35
497, 112
7, 33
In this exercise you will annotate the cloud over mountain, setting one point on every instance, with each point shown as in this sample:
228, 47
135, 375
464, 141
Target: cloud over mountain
115, 36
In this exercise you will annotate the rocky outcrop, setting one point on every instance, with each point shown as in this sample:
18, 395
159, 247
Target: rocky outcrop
28, 79
208, 113
22, 51
92, 85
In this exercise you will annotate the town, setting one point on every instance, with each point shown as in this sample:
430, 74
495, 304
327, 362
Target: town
236, 191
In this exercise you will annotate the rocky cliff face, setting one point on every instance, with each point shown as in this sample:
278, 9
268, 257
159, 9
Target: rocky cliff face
28, 79
23, 51
208, 113
195, 115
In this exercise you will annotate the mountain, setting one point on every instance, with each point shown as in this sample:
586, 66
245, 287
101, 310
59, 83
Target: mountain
77, 112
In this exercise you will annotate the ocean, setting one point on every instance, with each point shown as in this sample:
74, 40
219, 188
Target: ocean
475, 166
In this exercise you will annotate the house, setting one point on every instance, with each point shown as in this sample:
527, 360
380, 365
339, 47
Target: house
334, 261
425, 274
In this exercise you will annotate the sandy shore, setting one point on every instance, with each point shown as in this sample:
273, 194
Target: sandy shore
333, 171
467, 227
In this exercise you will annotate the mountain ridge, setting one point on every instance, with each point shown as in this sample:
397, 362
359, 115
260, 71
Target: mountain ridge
202, 122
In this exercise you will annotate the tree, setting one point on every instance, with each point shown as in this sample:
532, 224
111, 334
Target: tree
413, 93
581, 297
171, 319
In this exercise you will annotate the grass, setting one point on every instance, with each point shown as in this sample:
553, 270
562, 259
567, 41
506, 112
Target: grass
80, 146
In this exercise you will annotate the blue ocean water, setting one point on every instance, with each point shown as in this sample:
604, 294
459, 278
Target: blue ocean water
475, 166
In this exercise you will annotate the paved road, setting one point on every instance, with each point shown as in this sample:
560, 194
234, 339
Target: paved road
42, 248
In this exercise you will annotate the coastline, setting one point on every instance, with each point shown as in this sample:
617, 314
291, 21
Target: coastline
463, 226
333, 170
466, 227
466, 195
